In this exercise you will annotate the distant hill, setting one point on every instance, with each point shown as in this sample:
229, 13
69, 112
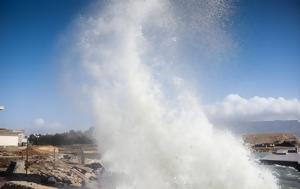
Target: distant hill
277, 126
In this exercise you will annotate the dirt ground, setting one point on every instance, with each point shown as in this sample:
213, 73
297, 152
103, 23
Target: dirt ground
49, 166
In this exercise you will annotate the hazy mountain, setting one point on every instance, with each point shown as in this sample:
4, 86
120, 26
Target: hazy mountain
277, 126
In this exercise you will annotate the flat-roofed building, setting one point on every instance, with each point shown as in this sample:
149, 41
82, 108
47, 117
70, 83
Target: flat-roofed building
8, 138
21, 134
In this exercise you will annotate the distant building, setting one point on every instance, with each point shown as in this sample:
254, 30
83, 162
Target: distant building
21, 137
271, 141
12, 137
8, 138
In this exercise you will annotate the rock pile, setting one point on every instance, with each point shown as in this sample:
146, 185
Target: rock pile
63, 173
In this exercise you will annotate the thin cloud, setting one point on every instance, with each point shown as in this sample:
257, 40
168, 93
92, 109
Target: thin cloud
44, 126
39, 122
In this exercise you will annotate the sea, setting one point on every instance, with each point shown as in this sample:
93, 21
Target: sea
288, 177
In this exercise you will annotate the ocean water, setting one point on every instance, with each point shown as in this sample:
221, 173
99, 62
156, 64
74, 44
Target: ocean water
288, 177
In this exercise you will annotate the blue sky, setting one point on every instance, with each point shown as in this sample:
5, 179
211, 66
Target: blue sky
266, 62
30, 76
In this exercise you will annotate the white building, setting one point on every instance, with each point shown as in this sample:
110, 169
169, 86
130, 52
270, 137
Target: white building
8, 138
21, 136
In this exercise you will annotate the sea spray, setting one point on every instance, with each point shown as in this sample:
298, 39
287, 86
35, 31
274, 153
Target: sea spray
150, 127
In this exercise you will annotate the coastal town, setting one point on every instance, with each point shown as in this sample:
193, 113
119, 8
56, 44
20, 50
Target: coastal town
23, 165
27, 166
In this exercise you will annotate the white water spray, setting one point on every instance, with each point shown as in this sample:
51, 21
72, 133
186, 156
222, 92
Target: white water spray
151, 130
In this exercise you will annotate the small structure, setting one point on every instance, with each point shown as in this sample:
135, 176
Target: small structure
22, 140
8, 138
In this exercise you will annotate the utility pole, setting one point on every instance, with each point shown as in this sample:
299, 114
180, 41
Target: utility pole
26, 161
54, 157
82, 158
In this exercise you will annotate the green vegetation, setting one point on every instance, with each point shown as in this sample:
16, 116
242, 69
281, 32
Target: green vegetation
71, 137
